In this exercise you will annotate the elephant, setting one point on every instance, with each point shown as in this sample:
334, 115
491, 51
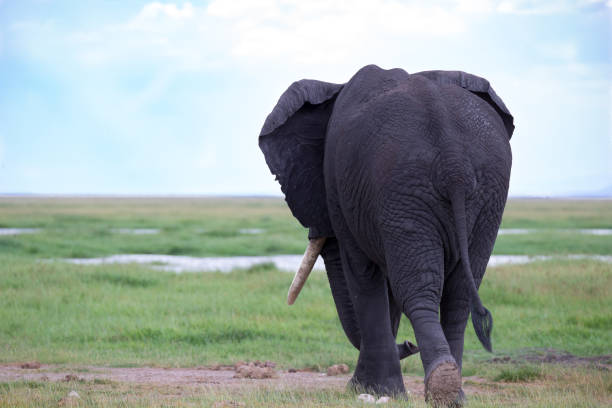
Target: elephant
401, 180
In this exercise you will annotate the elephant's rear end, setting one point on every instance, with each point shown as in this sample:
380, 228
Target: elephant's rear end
416, 171
400, 145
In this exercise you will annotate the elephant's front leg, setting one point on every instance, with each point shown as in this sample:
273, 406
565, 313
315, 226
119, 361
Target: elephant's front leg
378, 368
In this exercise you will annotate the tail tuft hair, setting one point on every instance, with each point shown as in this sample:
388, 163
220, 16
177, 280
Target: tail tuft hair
483, 325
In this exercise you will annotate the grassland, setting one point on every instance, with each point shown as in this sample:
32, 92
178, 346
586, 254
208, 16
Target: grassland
72, 227
83, 227
130, 315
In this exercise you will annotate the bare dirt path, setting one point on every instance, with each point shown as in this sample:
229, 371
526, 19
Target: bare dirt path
216, 378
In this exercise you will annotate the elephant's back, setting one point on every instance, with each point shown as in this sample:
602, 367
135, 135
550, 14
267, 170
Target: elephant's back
387, 121
384, 122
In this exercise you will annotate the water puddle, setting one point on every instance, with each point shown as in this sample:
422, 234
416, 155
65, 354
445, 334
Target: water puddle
18, 231
251, 231
514, 231
290, 263
256, 231
585, 231
180, 263
596, 231
136, 231
498, 260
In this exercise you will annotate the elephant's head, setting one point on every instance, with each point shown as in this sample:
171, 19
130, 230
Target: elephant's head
293, 142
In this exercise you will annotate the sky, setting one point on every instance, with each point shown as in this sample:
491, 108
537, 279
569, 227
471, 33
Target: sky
140, 97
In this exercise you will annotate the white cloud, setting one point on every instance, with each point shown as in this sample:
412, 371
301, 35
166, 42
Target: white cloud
544, 6
475, 6
226, 33
157, 16
242, 8
325, 32
170, 10
286, 32
312, 33
183, 37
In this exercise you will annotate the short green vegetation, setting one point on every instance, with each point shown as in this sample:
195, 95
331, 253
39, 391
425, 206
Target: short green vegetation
131, 315
85, 227
91, 227
519, 373
557, 213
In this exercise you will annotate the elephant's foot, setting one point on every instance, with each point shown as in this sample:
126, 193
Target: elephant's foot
460, 400
378, 389
443, 384
378, 372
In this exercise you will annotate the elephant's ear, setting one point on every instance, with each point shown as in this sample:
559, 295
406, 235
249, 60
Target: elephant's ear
478, 86
293, 142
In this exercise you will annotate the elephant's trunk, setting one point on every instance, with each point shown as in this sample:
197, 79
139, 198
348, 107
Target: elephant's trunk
310, 257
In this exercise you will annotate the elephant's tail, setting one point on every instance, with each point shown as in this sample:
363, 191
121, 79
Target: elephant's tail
481, 317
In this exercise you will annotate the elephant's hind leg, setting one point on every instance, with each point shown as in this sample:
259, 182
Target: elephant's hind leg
454, 312
416, 272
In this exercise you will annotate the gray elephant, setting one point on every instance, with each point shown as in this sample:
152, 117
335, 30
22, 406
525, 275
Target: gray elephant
402, 180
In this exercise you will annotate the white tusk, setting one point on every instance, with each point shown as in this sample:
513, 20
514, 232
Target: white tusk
310, 257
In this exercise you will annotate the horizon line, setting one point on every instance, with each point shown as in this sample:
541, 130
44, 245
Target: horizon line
262, 196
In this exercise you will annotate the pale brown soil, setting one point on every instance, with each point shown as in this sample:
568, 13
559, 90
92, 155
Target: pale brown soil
222, 378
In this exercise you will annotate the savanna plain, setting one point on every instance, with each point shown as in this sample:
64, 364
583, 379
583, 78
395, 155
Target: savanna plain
134, 335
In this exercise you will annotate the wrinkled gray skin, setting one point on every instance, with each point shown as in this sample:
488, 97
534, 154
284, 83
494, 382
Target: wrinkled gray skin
407, 176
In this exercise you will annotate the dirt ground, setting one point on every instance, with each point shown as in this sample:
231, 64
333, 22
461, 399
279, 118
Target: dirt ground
258, 374
213, 377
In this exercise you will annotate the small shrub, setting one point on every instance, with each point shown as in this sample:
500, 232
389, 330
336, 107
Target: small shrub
519, 373
261, 268
124, 280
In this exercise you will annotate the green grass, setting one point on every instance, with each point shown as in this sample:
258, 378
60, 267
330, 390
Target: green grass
130, 315
557, 213
550, 242
519, 373
83, 227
